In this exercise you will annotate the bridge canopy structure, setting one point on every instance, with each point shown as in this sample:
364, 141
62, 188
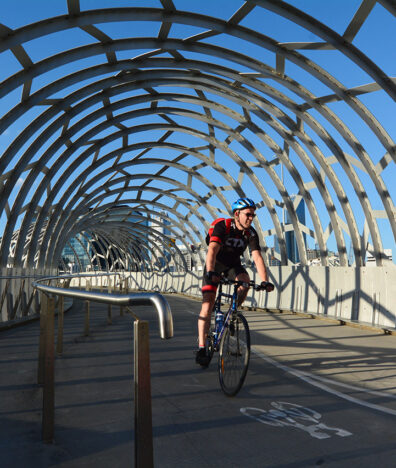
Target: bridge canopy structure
126, 130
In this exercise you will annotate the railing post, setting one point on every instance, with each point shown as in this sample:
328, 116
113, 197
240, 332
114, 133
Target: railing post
61, 309
121, 291
86, 322
41, 356
87, 310
142, 378
109, 319
143, 415
48, 389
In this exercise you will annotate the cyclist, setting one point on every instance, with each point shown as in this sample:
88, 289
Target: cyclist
226, 243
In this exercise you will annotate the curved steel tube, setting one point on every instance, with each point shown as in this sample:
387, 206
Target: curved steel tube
161, 304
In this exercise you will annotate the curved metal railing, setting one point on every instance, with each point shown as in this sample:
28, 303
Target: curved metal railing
143, 417
156, 299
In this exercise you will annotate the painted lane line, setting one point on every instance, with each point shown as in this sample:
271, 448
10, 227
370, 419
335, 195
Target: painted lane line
316, 382
351, 387
337, 383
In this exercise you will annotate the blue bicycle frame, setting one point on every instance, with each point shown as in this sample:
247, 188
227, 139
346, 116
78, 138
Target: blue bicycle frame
219, 331
231, 338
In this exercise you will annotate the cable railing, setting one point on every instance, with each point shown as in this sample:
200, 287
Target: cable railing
121, 298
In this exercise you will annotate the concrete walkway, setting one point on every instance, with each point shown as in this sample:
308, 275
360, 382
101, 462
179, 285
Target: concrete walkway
94, 390
360, 356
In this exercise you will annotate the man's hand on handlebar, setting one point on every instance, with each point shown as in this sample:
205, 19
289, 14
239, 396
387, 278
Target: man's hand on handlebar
267, 286
213, 277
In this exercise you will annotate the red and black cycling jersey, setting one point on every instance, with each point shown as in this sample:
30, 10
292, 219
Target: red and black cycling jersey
233, 242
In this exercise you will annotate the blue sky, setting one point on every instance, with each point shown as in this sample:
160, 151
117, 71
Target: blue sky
375, 39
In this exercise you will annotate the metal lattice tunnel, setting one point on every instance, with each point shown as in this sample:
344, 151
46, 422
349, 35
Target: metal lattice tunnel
127, 130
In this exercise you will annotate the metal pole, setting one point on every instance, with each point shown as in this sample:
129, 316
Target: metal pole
61, 310
49, 388
143, 415
142, 386
41, 356
121, 307
109, 319
87, 309
86, 323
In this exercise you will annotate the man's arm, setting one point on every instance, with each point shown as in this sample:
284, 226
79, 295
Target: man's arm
213, 250
260, 265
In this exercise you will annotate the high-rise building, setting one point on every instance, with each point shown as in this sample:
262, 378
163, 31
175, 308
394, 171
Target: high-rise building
75, 254
291, 243
290, 236
159, 225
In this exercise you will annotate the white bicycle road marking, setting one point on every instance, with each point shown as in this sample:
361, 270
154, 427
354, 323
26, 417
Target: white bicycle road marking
289, 414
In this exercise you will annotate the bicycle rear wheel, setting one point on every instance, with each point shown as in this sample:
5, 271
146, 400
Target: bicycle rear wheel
234, 355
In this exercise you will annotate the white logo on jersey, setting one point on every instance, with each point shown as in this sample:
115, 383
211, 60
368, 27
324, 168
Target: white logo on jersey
234, 243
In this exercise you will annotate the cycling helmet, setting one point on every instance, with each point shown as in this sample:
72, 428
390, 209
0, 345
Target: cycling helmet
243, 203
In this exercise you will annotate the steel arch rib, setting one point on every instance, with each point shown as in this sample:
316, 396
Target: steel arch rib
218, 26
251, 176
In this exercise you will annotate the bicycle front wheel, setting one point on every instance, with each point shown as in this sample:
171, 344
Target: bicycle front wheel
210, 346
234, 355
210, 339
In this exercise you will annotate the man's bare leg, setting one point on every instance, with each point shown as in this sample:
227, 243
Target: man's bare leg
242, 291
204, 317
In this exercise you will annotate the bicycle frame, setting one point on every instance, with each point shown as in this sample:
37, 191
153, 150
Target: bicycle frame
231, 338
232, 311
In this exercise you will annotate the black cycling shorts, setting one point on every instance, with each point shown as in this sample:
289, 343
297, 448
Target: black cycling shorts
230, 272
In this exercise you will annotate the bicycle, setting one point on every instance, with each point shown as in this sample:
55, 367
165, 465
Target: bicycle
229, 335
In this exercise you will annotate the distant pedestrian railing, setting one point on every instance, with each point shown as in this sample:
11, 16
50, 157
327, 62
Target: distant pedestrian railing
122, 299
20, 302
364, 295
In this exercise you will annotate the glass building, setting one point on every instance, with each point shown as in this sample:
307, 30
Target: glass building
76, 247
290, 237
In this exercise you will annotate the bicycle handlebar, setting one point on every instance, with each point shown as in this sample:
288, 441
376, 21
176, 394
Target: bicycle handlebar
251, 284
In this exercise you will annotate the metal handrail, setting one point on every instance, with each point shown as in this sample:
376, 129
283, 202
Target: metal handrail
143, 418
71, 275
24, 306
161, 304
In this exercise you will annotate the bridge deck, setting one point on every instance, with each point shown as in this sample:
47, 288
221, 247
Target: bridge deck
193, 421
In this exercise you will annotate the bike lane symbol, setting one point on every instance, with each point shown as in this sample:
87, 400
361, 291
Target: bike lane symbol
289, 414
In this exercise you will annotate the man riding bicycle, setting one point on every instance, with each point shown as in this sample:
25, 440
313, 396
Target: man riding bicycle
226, 243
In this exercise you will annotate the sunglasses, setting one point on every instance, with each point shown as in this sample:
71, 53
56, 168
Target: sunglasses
250, 215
